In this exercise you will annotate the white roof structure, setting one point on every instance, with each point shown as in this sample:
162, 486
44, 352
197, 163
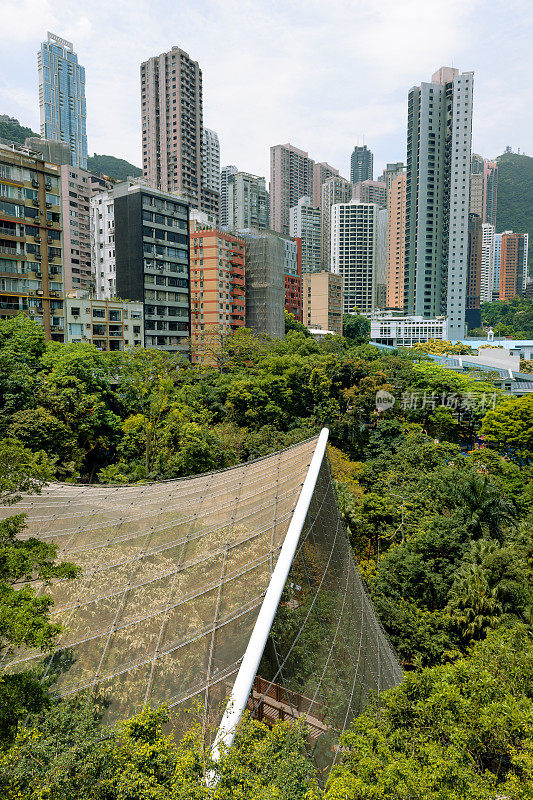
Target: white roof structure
238, 585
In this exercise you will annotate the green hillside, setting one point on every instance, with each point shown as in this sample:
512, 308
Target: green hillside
515, 194
117, 168
11, 128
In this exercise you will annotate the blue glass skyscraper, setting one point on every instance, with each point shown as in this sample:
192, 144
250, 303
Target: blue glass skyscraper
62, 97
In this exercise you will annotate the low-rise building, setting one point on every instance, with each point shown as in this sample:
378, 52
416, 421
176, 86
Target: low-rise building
405, 331
108, 324
322, 301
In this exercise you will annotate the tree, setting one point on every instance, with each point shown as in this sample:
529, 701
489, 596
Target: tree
24, 616
292, 324
510, 427
356, 327
456, 731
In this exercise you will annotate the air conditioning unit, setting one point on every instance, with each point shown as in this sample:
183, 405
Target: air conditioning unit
31, 292
37, 237
40, 292
49, 205
36, 203
76, 316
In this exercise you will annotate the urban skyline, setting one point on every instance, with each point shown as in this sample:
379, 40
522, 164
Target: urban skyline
374, 115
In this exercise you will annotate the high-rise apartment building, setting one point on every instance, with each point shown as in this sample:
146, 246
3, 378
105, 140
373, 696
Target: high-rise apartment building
353, 253
473, 272
265, 264
211, 160
140, 241
291, 177
321, 173
217, 290
513, 264
476, 187
31, 256
361, 164
224, 177
322, 301
247, 202
487, 263
391, 171
439, 133
371, 192
334, 190
62, 97
76, 191
305, 223
172, 128
497, 262
380, 272
396, 241
490, 192
293, 276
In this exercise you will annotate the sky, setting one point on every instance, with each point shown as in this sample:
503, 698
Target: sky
323, 75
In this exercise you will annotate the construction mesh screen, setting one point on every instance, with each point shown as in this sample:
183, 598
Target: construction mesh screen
174, 574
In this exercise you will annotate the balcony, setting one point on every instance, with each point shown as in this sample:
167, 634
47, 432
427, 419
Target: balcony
10, 251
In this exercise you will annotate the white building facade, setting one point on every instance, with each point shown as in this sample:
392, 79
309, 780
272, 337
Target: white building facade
487, 262
402, 331
304, 222
110, 325
354, 253
211, 160
103, 244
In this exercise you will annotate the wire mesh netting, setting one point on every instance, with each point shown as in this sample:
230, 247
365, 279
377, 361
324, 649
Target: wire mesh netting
173, 576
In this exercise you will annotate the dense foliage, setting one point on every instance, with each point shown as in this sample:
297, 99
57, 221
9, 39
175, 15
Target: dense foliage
11, 129
515, 194
117, 168
512, 318
441, 524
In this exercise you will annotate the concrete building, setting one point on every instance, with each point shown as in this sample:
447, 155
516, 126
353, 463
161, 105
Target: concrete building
321, 173
396, 330
361, 164
247, 202
141, 252
62, 97
380, 275
31, 255
334, 190
50, 150
108, 324
305, 224
353, 253
224, 177
217, 290
211, 161
291, 177
371, 192
265, 264
322, 301
396, 241
172, 128
473, 273
391, 171
487, 263
293, 277
490, 192
476, 194
439, 133
497, 263
513, 264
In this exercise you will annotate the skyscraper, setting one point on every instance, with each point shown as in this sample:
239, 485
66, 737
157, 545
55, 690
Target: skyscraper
396, 241
371, 192
321, 173
439, 133
354, 253
487, 263
62, 97
291, 177
247, 202
172, 128
473, 271
224, 176
334, 190
490, 192
211, 161
513, 264
361, 164
305, 224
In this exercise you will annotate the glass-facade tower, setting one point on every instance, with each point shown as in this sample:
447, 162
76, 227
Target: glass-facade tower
62, 97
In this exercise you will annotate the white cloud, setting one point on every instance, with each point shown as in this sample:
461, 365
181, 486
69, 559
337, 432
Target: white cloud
317, 74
